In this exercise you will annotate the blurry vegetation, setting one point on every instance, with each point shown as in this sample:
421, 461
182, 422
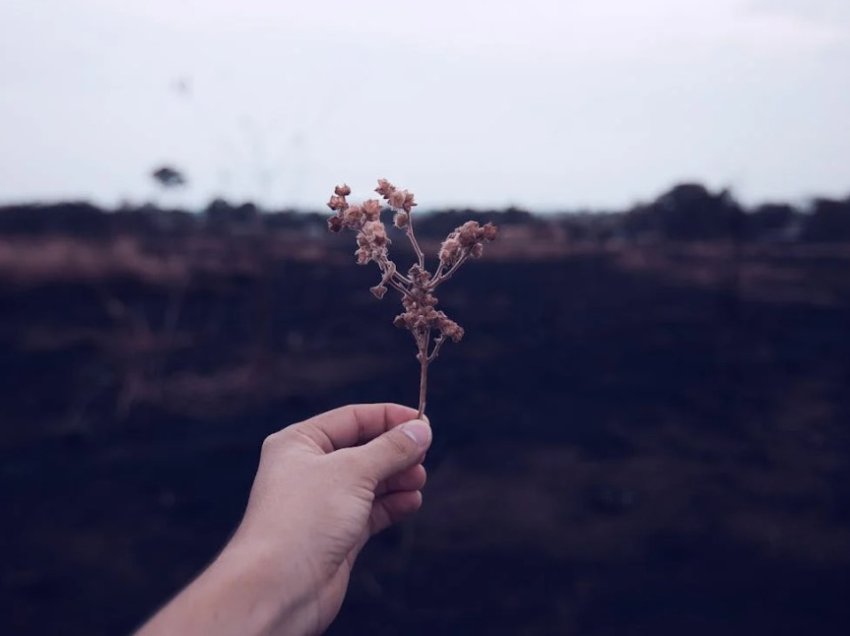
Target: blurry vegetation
184, 259
168, 177
828, 222
687, 212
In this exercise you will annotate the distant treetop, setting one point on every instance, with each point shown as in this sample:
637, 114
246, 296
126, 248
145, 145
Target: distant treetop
168, 177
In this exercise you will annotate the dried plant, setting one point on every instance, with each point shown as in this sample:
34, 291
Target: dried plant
430, 328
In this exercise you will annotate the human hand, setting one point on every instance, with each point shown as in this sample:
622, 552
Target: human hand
323, 487
318, 497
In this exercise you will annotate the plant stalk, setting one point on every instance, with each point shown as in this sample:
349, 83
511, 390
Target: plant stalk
423, 384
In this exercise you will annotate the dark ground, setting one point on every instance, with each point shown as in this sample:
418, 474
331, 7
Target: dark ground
631, 439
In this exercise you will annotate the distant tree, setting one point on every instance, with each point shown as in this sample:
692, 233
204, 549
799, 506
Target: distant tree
222, 215
689, 212
773, 221
168, 177
828, 222
72, 218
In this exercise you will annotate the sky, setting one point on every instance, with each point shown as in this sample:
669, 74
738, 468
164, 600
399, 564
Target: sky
543, 104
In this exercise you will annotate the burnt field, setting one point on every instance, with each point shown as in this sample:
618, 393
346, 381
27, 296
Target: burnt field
634, 437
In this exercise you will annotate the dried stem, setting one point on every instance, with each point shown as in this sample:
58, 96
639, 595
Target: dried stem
398, 287
437, 344
424, 360
441, 277
401, 279
420, 316
423, 388
410, 235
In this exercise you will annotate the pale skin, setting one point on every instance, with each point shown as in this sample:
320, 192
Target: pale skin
323, 488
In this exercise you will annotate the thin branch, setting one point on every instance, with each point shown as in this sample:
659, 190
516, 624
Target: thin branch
396, 276
419, 254
438, 342
401, 279
398, 287
444, 277
439, 271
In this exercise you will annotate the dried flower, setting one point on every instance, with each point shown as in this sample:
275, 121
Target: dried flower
353, 217
450, 251
466, 241
372, 209
401, 219
335, 224
385, 188
408, 204
378, 291
430, 328
451, 329
337, 202
396, 199
376, 233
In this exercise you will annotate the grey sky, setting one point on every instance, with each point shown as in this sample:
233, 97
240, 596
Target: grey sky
541, 103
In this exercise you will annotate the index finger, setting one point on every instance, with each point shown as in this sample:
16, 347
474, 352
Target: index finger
353, 424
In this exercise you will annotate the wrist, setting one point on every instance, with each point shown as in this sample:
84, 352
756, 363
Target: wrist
277, 599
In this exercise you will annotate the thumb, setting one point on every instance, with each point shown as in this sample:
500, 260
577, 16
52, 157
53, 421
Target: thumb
399, 448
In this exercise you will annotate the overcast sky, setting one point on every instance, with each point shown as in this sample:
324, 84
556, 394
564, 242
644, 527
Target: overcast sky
549, 104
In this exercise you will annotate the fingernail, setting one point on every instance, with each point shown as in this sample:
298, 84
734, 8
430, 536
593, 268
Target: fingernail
418, 431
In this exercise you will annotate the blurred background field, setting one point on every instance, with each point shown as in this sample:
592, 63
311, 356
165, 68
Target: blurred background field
647, 427
645, 430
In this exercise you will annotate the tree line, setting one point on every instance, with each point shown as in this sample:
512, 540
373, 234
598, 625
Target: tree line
686, 212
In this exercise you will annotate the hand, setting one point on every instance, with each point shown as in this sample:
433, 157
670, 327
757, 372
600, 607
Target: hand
323, 487
318, 497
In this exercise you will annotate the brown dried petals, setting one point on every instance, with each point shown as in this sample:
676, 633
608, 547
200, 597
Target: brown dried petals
385, 188
337, 203
353, 217
401, 219
468, 239
396, 199
335, 224
401, 200
408, 204
372, 209
372, 242
450, 329
376, 233
450, 251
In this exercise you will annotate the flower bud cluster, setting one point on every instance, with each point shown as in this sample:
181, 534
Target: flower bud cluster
466, 240
365, 219
401, 202
419, 314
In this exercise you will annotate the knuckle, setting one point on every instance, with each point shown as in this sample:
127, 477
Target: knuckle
272, 442
269, 442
